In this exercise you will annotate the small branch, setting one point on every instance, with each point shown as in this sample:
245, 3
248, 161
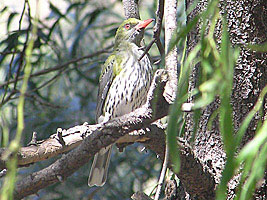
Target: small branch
156, 31
34, 139
33, 96
171, 59
61, 66
9, 52
147, 49
37, 99
195, 178
160, 47
74, 136
60, 137
22, 53
163, 172
131, 9
94, 137
97, 137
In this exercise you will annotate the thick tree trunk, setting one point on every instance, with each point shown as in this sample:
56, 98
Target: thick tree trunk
247, 23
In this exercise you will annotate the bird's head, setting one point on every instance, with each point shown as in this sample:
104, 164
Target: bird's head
131, 30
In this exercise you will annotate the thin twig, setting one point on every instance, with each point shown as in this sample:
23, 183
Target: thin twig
156, 31
163, 172
147, 49
25, 43
11, 62
58, 67
39, 100
159, 14
4, 100
47, 82
9, 52
8, 81
160, 48
28, 94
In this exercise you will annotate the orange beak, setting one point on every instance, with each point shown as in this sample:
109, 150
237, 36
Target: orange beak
143, 24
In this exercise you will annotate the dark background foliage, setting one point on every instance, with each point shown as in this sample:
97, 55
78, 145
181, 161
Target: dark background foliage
66, 96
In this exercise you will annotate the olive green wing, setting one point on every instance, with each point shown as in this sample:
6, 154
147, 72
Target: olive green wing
105, 81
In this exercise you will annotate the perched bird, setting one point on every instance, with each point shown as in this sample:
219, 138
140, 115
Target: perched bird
124, 83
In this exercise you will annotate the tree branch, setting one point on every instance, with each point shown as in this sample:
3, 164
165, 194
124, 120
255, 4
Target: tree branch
156, 31
60, 66
97, 137
42, 150
21, 57
94, 137
171, 59
131, 9
195, 178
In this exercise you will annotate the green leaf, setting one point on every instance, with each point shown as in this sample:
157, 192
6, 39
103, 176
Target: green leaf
253, 146
227, 59
3, 10
249, 117
57, 12
95, 14
253, 157
10, 18
75, 5
175, 110
258, 47
257, 172
181, 35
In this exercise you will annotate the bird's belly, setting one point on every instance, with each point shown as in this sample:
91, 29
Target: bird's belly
127, 93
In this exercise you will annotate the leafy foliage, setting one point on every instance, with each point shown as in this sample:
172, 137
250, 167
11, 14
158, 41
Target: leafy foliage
216, 61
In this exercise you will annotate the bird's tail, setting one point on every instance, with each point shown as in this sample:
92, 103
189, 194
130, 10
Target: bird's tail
99, 169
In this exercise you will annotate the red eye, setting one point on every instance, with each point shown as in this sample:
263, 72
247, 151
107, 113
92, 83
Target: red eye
127, 26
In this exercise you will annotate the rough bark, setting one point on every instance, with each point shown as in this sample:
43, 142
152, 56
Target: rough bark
131, 9
246, 24
171, 60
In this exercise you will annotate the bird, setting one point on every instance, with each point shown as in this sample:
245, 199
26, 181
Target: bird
123, 86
